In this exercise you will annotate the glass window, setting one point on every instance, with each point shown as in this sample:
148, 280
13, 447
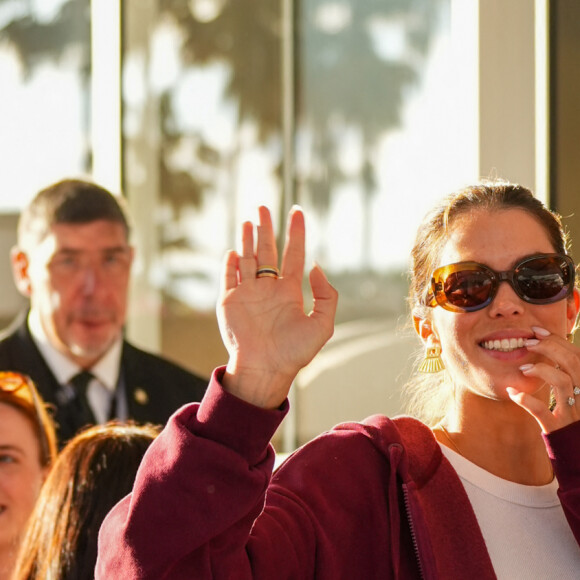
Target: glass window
202, 128
375, 140
44, 103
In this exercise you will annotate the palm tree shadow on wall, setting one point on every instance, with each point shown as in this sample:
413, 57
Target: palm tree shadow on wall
348, 79
37, 40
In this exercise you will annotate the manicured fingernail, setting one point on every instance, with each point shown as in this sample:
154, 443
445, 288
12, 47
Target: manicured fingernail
540, 331
525, 368
532, 342
511, 391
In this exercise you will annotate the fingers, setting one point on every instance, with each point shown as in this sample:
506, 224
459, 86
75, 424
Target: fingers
564, 354
266, 251
561, 370
230, 271
294, 248
562, 415
536, 408
242, 267
247, 261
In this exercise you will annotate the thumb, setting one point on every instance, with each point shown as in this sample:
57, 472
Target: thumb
325, 298
538, 410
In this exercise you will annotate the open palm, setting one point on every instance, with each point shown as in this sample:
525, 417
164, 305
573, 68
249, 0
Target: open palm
268, 335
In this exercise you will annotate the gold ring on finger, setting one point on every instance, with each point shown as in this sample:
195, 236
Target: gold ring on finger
267, 272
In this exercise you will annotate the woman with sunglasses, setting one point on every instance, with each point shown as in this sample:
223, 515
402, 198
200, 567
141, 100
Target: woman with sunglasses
27, 451
486, 486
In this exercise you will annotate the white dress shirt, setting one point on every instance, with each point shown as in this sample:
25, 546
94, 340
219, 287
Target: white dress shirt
101, 390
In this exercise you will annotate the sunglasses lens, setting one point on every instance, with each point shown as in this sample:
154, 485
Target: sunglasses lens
467, 289
544, 280
14, 383
469, 286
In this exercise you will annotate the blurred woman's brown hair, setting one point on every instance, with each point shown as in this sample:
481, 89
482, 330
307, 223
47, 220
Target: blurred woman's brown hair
91, 474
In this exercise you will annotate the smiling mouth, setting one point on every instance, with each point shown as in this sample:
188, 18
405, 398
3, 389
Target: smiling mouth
504, 345
92, 323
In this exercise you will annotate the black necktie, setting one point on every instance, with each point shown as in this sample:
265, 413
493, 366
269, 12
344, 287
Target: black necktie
113, 408
80, 404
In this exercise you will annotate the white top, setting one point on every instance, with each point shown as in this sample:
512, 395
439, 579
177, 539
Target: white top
101, 389
524, 526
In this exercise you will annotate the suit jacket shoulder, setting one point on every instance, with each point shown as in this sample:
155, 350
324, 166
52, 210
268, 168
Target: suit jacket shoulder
155, 386
18, 352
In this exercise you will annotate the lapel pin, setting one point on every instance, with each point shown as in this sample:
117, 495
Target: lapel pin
140, 396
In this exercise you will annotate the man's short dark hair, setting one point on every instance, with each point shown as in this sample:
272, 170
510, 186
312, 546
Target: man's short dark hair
70, 201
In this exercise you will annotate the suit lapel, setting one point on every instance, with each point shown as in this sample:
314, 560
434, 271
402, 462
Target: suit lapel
29, 360
24, 356
137, 386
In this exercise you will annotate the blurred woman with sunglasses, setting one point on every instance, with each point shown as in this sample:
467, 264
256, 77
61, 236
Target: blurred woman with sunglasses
27, 451
91, 474
486, 486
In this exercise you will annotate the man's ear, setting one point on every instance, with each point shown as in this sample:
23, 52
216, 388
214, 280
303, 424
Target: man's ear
20, 264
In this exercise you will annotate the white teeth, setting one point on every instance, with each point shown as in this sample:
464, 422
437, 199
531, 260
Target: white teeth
505, 344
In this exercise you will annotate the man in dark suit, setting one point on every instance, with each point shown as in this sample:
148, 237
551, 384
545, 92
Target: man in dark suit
73, 261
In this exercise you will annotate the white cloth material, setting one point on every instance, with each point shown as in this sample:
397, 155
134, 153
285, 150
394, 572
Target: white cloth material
101, 390
524, 526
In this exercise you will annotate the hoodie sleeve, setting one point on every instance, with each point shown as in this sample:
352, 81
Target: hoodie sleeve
205, 474
564, 450
205, 504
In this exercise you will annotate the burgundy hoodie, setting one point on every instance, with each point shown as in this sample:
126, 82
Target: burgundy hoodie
366, 500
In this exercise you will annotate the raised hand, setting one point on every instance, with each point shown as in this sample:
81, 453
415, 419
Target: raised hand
268, 335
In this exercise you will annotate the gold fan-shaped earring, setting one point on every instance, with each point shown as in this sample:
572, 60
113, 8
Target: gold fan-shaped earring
432, 363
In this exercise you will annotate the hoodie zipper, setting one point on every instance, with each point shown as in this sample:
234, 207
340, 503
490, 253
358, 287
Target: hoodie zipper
412, 529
